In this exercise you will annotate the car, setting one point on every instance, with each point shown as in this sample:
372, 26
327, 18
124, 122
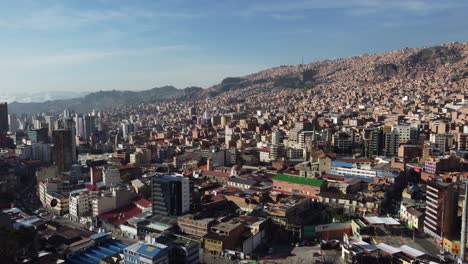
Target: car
270, 250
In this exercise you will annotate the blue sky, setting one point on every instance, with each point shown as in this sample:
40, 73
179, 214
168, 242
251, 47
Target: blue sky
110, 44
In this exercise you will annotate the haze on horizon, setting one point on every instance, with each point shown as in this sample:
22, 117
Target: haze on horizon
134, 45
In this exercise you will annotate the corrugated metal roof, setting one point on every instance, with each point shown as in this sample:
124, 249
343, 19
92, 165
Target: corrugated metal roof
388, 249
412, 252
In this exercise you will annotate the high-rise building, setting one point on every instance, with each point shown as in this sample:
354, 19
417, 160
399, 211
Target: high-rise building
171, 195
443, 142
50, 121
89, 126
276, 137
79, 123
69, 124
63, 153
66, 113
343, 142
13, 123
441, 209
38, 135
277, 152
298, 128
392, 141
373, 139
404, 132
3, 117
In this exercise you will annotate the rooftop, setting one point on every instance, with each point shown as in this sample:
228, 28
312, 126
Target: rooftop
148, 250
299, 180
120, 215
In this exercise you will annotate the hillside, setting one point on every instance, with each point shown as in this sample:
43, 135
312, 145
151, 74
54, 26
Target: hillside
370, 75
107, 100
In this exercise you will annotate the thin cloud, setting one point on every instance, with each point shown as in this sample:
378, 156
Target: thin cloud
81, 57
350, 7
60, 17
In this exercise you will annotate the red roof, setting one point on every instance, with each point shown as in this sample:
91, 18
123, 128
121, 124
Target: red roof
120, 215
91, 187
265, 149
126, 167
218, 197
333, 177
216, 173
142, 202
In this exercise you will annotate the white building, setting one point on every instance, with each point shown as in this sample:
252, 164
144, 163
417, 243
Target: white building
79, 204
186, 194
264, 155
350, 171
111, 200
111, 176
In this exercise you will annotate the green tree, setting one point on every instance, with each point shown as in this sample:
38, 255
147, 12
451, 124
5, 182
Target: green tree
145, 191
16, 245
127, 177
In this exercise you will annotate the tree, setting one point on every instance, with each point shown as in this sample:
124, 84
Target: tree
127, 177
145, 191
17, 245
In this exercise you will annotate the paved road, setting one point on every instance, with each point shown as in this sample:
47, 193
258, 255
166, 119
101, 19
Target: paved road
301, 255
210, 259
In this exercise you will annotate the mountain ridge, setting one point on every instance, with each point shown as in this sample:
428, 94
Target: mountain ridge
411, 65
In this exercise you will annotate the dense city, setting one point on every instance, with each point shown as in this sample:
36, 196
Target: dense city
254, 175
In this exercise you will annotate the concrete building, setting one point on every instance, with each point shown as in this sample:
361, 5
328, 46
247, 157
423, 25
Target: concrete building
462, 142
171, 195
225, 235
110, 200
38, 135
307, 187
195, 225
79, 204
372, 141
392, 142
111, 176
142, 253
63, 153
4, 117
441, 209
343, 142
443, 142
413, 217
349, 170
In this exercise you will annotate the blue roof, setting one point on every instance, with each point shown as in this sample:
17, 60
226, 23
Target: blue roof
149, 250
342, 164
97, 252
99, 235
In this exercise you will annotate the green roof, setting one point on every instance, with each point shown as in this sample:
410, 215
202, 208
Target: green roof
299, 180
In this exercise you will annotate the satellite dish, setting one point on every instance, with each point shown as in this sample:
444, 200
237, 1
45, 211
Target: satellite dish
53, 203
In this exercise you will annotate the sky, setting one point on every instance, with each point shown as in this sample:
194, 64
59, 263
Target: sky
82, 45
